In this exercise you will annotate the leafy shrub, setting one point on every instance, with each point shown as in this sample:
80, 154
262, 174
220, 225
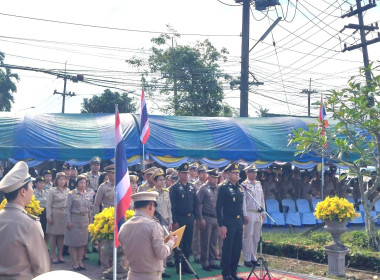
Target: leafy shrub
356, 238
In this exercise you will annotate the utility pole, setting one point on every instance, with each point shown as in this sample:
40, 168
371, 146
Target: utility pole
364, 43
244, 84
309, 91
64, 94
244, 60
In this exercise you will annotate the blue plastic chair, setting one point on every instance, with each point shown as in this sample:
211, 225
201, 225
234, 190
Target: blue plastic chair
273, 209
314, 203
307, 217
292, 217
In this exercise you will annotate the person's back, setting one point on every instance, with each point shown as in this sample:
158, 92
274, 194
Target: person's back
17, 228
23, 252
140, 251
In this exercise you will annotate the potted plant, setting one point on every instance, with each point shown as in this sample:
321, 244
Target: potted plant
102, 229
335, 212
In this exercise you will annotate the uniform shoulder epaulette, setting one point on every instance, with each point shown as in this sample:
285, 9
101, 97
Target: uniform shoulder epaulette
150, 190
33, 217
71, 192
165, 189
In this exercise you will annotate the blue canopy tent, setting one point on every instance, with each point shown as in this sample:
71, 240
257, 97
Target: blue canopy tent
78, 137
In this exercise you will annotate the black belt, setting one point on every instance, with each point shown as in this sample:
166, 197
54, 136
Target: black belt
209, 215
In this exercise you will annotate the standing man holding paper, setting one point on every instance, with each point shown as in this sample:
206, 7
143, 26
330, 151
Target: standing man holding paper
142, 239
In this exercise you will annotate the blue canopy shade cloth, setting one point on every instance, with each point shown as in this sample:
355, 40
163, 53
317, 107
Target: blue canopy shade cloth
173, 140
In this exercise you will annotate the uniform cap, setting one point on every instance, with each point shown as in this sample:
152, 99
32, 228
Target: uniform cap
194, 165
202, 168
16, 178
60, 174
132, 173
213, 173
150, 170
170, 171
110, 168
81, 177
95, 160
40, 179
251, 167
232, 167
145, 196
158, 172
184, 167
65, 166
174, 176
46, 172
133, 178
73, 167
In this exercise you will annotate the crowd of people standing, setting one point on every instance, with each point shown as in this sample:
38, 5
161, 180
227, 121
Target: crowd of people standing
213, 204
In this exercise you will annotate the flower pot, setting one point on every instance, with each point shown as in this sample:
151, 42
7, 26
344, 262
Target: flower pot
106, 253
335, 228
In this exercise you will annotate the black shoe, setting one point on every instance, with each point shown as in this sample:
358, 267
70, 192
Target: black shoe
76, 268
206, 268
228, 277
215, 266
165, 275
248, 264
197, 260
237, 278
82, 268
255, 263
170, 264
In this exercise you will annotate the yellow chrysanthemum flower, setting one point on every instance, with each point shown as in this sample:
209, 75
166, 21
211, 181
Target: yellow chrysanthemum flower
335, 209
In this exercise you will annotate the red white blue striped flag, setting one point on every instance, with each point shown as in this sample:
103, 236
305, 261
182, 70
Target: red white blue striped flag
324, 122
144, 123
122, 184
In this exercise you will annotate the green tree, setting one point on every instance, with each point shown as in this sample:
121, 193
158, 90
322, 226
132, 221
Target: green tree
354, 139
189, 77
105, 103
263, 112
7, 86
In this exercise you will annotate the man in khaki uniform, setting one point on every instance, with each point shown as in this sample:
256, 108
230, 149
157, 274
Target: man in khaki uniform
207, 196
164, 207
149, 183
93, 175
193, 173
105, 195
142, 240
23, 248
252, 217
196, 246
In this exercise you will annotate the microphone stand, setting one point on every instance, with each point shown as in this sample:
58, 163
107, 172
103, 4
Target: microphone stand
260, 260
178, 250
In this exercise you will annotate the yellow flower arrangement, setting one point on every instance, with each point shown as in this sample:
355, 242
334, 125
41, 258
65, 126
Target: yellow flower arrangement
32, 208
103, 226
335, 209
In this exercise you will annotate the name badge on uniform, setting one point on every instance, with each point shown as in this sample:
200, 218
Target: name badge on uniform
233, 199
180, 188
183, 196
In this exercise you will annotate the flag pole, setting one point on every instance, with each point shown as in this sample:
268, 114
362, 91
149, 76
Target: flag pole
323, 176
114, 276
143, 157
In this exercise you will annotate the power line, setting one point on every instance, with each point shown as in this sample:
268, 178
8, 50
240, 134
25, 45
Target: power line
117, 28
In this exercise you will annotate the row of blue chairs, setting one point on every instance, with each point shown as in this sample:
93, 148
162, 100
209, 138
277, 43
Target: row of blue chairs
300, 212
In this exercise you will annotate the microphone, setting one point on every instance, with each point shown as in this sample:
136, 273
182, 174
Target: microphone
160, 219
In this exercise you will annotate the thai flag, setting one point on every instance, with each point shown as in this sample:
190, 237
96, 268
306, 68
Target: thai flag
144, 123
323, 116
323, 120
123, 190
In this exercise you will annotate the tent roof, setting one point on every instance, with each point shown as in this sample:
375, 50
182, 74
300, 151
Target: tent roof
81, 136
